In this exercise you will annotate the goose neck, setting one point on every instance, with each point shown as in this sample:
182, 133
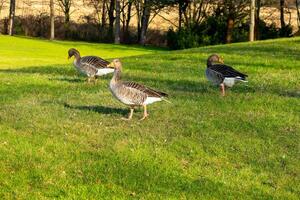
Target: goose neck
117, 75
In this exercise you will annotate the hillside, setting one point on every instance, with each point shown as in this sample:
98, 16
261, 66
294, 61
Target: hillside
63, 138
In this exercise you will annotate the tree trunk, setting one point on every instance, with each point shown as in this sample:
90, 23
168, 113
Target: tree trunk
12, 16
103, 18
67, 16
282, 22
52, 18
257, 19
252, 21
230, 26
145, 22
111, 19
180, 15
138, 16
127, 24
117, 23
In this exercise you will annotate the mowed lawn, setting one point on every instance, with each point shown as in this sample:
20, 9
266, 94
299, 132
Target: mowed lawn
61, 137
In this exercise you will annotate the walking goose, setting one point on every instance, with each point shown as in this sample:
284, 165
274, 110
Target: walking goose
91, 66
223, 75
132, 94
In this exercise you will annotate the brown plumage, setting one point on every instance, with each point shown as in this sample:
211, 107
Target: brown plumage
91, 66
223, 75
131, 93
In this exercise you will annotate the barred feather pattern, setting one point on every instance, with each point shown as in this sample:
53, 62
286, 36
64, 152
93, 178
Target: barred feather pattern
94, 61
131, 93
89, 65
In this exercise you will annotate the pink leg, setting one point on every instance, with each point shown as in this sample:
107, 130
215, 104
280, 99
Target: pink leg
145, 113
130, 115
223, 89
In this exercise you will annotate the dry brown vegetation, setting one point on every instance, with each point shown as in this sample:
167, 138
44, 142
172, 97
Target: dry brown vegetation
165, 19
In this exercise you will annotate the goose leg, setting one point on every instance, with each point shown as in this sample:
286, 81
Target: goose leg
89, 79
223, 89
130, 115
145, 113
94, 80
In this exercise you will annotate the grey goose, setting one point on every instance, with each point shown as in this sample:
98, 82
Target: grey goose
90, 66
223, 75
132, 94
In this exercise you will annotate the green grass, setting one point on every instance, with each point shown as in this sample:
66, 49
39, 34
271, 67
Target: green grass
63, 138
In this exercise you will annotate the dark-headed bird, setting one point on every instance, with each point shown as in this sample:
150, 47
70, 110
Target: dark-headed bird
90, 66
132, 94
223, 75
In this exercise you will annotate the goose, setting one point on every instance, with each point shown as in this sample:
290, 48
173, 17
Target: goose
90, 66
223, 75
132, 94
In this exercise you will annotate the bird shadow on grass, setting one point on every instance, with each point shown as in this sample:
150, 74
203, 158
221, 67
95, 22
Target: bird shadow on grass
291, 94
98, 109
67, 79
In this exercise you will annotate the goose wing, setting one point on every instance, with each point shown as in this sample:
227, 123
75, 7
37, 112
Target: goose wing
146, 90
214, 76
227, 71
94, 61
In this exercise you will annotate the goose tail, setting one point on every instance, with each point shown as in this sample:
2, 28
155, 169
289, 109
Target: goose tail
164, 99
241, 79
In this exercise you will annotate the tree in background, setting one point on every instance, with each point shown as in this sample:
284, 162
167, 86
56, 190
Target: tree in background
146, 8
252, 21
52, 20
2, 2
235, 11
282, 22
65, 6
193, 11
257, 19
126, 18
117, 22
111, 19
12, 9
297, 2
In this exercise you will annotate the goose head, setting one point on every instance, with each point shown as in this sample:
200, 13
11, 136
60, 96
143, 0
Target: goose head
214, 58
115, 64
73, 52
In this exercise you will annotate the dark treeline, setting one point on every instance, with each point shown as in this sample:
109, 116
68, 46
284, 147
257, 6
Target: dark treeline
199, 22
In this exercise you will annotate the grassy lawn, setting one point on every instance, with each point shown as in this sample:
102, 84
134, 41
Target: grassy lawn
63, 138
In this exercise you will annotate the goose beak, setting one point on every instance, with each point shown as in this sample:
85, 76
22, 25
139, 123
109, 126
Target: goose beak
221, 60
111, 65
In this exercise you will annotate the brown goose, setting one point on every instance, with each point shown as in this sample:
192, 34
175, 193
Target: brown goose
223, 75
132, 94
90, 66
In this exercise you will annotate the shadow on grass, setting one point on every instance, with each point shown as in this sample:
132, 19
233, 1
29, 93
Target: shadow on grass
99, 109
67, 79
50, 69
291, 94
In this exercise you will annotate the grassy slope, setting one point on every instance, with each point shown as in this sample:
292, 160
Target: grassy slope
61, 137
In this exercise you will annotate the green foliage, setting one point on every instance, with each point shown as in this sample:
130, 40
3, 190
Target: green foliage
62, 138
182, 39
212, 31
